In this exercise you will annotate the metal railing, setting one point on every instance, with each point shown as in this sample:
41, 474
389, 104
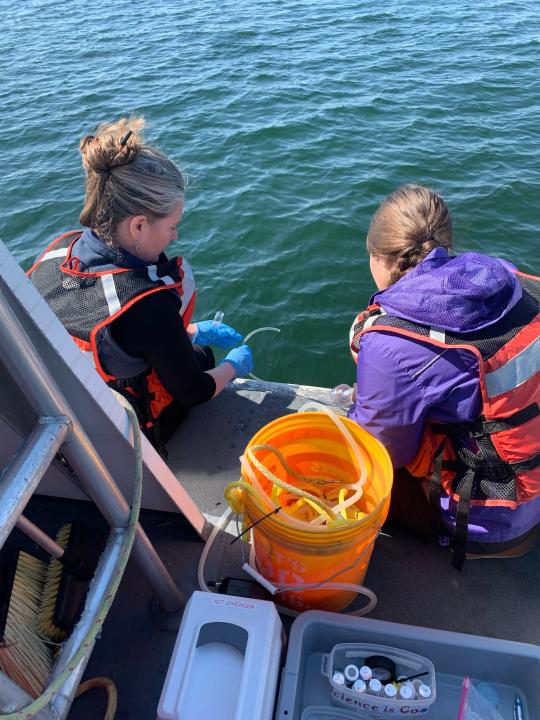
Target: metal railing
59, 427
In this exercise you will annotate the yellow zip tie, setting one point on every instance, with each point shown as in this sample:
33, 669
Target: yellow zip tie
341, 498
276, 492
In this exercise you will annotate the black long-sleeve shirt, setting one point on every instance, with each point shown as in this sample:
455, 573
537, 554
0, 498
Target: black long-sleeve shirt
152, 328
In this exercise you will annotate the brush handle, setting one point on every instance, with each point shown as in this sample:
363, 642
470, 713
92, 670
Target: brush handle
51, 547
46, 543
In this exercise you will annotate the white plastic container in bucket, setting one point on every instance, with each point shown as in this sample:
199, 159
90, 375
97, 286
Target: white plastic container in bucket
368, 704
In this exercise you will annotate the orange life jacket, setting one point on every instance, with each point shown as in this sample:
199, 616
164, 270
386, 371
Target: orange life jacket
87, 302
494, 460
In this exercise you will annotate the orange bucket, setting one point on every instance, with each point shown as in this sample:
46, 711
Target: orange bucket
303, 553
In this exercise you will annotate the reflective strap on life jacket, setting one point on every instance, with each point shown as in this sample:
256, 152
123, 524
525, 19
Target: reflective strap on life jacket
188, 289
368, 322
437, 334
152, 274
514, 372
59, 252
111, 296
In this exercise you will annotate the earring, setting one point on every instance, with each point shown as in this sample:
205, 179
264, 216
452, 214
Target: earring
137, 247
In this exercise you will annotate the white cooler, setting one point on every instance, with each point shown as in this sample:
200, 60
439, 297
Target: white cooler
226, 660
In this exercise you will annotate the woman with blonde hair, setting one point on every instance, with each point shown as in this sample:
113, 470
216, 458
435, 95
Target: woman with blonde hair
448, 379
124, 302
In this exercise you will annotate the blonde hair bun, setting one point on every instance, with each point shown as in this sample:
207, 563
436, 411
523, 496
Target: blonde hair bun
103, 151
124, 177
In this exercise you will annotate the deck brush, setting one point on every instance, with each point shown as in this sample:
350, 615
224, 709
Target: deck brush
68, 578
24, 656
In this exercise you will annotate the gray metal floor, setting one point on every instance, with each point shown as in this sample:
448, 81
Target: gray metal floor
415, 582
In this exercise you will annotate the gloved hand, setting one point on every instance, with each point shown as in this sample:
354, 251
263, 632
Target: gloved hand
210, 333
241, 359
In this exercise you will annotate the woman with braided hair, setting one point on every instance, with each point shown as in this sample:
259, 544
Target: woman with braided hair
124, 302
448, 379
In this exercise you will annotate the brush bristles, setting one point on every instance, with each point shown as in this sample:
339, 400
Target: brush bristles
50, 592
24, 657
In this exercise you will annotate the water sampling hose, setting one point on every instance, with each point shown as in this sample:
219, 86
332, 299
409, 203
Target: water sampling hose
276, 588
250, 335
326, 513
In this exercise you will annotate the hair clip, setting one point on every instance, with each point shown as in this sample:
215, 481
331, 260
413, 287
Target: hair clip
126, 137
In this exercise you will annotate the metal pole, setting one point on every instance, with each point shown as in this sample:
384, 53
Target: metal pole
89, 465
61, 705
22, 475
12, 698
30, 373
108, 565
46, 543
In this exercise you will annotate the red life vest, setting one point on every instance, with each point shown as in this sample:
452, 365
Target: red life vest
494, 460
88, 302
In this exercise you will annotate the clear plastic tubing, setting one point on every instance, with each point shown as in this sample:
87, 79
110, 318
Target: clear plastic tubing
250, 335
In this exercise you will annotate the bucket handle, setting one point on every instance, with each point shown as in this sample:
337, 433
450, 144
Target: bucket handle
357, 458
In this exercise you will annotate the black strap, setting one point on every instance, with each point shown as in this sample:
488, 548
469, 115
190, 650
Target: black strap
435, 481
518, 418
462, 521
491, 471
477, 428
525, 465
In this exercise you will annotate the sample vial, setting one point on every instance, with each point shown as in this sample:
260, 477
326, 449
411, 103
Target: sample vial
375, 686
423, 691
359, 686
390, 691
341, 395
338, 678
218, 318
365, 673
351, 673
406, 692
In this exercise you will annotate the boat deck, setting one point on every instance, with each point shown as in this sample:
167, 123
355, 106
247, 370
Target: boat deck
414, 582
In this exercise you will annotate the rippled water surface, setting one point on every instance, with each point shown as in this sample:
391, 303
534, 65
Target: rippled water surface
293, 120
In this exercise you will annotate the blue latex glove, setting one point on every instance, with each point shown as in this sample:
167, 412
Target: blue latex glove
210, 333
241, 359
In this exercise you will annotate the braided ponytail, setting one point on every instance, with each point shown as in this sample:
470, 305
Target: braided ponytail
410, 223
125, 177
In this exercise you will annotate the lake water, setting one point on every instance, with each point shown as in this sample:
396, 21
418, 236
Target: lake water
293, 120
